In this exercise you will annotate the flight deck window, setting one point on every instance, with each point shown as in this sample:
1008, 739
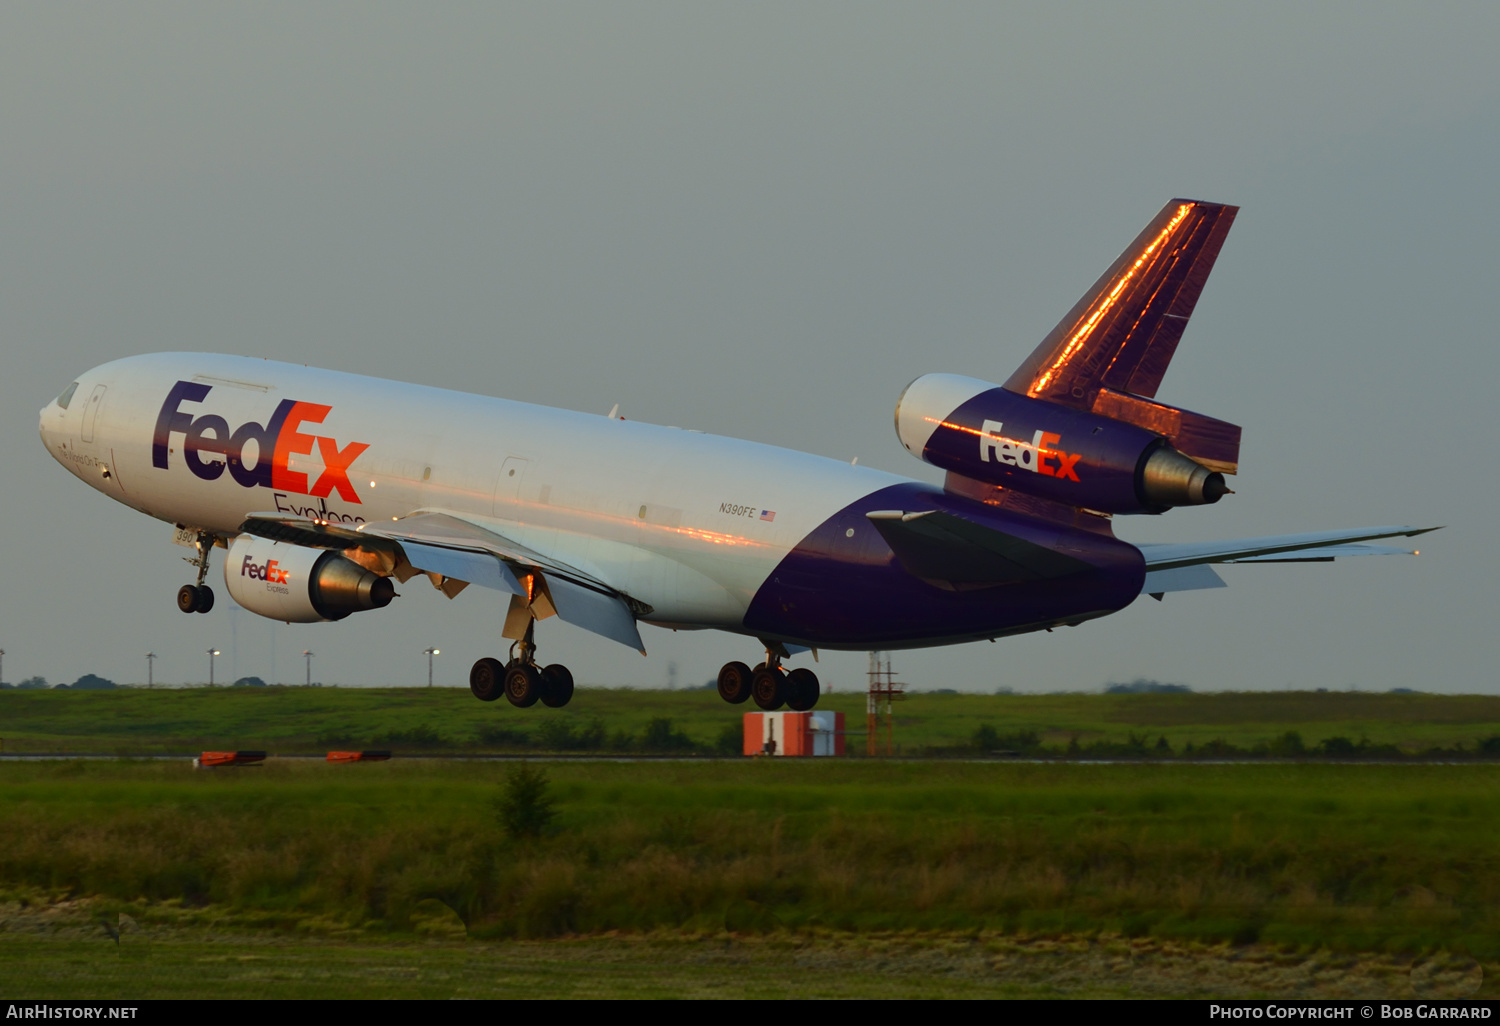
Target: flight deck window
67, 396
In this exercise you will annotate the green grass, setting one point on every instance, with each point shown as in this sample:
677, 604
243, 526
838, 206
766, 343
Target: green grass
292, 719
1360, 858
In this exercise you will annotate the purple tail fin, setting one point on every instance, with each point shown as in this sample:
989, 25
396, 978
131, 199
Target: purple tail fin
1121, 335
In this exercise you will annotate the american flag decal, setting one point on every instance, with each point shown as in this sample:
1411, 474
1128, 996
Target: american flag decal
768, 514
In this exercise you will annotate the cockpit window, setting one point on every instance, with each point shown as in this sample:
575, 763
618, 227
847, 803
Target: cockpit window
67, 396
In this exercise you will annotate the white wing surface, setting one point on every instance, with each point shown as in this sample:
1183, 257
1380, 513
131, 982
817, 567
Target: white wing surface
456, 551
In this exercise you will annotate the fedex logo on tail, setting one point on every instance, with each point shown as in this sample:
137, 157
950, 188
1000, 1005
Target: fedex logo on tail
1032, 456
276, 442
269, 571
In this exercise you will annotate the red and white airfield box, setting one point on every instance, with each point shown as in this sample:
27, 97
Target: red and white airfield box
794, 733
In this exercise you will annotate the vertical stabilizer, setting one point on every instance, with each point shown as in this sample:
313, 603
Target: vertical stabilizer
1121, 335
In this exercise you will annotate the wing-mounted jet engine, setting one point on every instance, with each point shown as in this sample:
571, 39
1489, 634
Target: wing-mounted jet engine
1077, 423
297, 584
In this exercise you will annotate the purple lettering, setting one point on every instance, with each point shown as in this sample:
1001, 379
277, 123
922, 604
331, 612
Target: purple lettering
170, 420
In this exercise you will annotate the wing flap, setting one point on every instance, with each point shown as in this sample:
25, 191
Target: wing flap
1200, 577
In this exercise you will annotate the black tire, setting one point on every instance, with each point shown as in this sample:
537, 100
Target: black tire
487, 679
205, 598
734, 683
768, 688
557, 686
802, 689
187, 598
523, 685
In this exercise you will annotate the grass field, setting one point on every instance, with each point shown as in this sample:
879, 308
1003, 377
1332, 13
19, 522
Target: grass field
1347, 857
744, 877
416, 720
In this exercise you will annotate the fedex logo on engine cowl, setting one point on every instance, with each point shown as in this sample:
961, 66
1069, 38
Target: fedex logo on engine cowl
1033, 455
276, 442
270, 571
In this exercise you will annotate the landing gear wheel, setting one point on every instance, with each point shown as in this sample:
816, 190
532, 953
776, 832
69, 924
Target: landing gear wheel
734, 683
802, 689
557, 686
768, 687
523, 685
195, 598
487, 679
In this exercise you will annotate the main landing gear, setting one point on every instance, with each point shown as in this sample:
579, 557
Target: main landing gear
770, 685
198, 598
520, 680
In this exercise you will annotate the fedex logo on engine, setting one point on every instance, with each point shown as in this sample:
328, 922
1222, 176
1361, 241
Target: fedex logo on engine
276, 442
270, 571
1033, 455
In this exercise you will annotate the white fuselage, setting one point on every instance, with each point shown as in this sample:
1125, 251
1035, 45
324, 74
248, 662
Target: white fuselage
689, 523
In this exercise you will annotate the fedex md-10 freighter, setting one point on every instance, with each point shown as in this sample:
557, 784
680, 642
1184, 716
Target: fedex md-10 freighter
324, 487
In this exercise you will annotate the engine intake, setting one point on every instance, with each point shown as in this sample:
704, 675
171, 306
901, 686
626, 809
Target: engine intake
990, 434
298, 584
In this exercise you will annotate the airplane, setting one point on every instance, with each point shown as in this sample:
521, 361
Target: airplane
326, 489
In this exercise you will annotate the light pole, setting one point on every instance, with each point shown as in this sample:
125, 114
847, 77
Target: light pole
429, 653
211, 653
150, 665
307, 655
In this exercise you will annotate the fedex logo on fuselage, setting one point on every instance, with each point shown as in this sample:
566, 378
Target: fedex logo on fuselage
276, 442
1033, 455
270, 571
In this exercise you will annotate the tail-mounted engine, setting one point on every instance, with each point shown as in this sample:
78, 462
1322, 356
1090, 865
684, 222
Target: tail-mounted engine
298, 584
1083, 459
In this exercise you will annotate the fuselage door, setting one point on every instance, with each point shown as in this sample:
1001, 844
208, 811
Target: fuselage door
508, 488
90, 412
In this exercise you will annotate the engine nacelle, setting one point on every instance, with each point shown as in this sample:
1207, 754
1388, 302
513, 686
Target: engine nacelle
298, 584
991, 434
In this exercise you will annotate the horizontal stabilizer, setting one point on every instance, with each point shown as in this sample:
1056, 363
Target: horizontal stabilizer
938, 546
1318, 546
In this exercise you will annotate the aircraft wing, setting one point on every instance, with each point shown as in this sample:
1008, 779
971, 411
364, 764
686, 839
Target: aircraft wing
454, 549
1184, 566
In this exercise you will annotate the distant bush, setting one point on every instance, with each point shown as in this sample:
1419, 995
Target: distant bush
661, 737
248, 682
990, 741
90, 682
1338, 747
1288, 744
563, 735
421, 736
525, 803
499, 735
1490, 745
731, 740
1142, 686
33, 684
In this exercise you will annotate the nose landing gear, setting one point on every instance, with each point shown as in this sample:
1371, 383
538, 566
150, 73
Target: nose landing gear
198, 598
520, 680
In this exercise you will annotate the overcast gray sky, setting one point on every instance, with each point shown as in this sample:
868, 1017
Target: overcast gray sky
763, 220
